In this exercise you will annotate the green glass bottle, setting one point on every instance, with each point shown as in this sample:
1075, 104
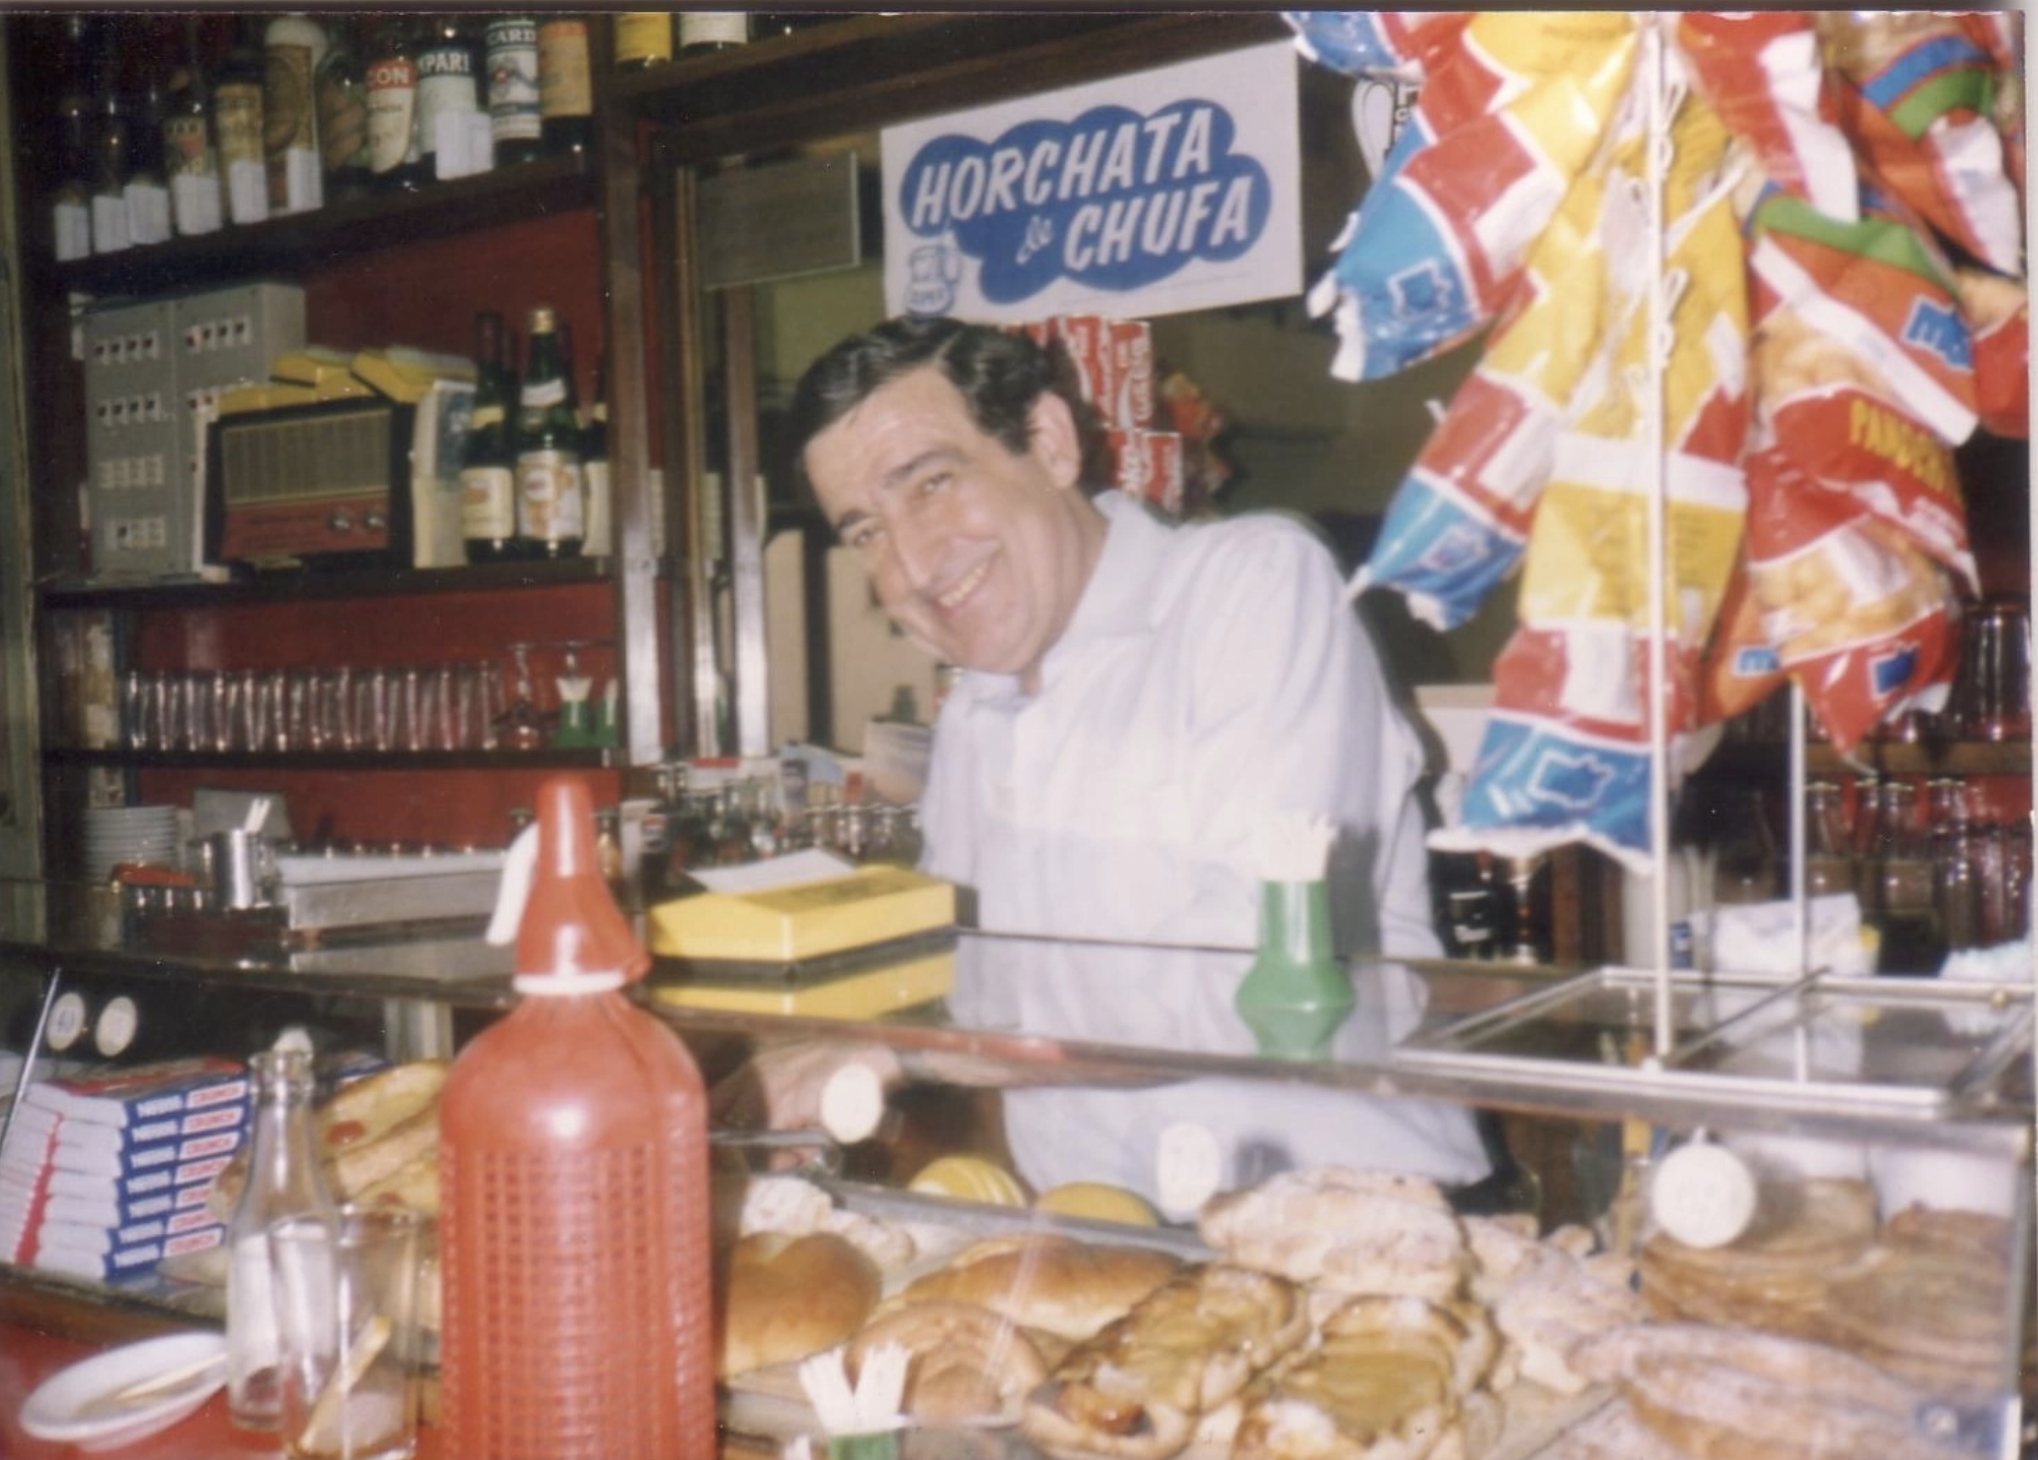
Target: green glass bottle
1296, 994
488, 467
551, 488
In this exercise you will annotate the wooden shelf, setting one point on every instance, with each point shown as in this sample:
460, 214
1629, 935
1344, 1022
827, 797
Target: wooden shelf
336, 760
1888, 758
303, 244
310, 586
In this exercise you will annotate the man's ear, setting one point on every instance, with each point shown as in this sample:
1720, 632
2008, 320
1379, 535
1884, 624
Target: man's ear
1055, 440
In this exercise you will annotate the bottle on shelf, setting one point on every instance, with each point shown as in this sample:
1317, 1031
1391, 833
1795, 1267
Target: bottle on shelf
71, 200
341, 89
488, 494
704, 32
112, 149
292, 47
1950, 839
594, 451
577, 1112
393, 155
565, 85
189, 155
643, 39
453, 127
1898, 886
148, 186
238, 127
283, 1179
551, 487
513, 119
1829, 855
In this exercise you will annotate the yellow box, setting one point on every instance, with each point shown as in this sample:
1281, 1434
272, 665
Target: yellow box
862, 993
803, 922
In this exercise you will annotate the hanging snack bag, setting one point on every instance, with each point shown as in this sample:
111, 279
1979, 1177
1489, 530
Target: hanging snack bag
1998, 313
1374, 42
1740, 668
1861, 617
1865, 364
1763, 73
1510, 112
1566, 754
1917, 91
1457, 524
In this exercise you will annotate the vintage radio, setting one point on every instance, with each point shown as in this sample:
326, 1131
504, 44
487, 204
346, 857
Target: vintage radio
326, 485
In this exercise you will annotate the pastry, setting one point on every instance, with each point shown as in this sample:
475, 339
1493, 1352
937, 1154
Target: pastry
965, 1364
787, 1297
1048, 1282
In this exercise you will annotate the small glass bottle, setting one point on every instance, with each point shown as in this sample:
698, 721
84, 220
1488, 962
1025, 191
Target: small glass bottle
284, 1179
189, 155
565, 85
1951, 843
1899, 880
341, 91
512, 65
393, 152
237, 126
1829, 858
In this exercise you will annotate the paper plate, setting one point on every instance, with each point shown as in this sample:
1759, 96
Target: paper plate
70, 1406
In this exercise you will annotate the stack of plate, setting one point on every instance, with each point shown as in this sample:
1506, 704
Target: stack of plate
117, 834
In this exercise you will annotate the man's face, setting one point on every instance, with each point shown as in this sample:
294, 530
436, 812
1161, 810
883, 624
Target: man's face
979, 555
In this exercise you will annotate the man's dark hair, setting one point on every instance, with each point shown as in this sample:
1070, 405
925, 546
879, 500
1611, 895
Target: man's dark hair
999, 372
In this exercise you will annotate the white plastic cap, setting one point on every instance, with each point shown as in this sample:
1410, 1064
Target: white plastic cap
1703, 1195
852, 1104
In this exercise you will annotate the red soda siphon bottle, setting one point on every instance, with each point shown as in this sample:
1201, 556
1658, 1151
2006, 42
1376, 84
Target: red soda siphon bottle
574, 1177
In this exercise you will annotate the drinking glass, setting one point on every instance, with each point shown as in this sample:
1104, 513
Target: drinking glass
346, 1307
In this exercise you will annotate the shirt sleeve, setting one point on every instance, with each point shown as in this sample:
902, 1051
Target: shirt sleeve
1290, 713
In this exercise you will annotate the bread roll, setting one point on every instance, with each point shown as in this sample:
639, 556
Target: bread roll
1050, 1282
965, 1365
787, 1297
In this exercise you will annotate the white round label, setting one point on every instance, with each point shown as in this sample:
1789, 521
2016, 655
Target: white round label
115, 1030
67, 1022
852, 1104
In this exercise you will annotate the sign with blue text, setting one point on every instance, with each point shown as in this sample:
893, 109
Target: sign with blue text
1153, 193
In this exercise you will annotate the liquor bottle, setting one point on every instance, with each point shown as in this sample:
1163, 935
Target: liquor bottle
112, 144
341, 89
1952, 844
238, 130
703, 32
284, 1179
292, 47
572, 1130
1899, 899
594, 452
551, 491
148, 185
1829, 854
488, 493
643, 39
188, 151
71, 201
565, 85
452, 133
513, 119
393, 155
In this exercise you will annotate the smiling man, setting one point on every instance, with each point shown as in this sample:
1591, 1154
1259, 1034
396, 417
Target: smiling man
1139, 698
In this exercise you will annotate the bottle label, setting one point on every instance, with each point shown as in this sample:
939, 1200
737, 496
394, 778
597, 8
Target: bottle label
237, 112
713, 28
148, 212
564, 85
596, 476
115, 1030
482, 416
541, 393
109, 223
247, 190
73, 230
643, 35
66, 1022
551, 496
488, 503
195, 200
446, 88
342, 123
392, 114
251, 1338
513, 80
286, 100
187, 148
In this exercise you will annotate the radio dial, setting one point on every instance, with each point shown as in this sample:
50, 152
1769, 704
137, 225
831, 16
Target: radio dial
374, 521
339, 522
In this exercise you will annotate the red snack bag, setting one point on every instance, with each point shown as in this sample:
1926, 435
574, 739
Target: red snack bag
1082, 335
1998, 313
1863, 619
1917, 91
1762, 72
1129, 344
1740, 668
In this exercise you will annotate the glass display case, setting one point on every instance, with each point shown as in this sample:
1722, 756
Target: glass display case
1746, 1218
